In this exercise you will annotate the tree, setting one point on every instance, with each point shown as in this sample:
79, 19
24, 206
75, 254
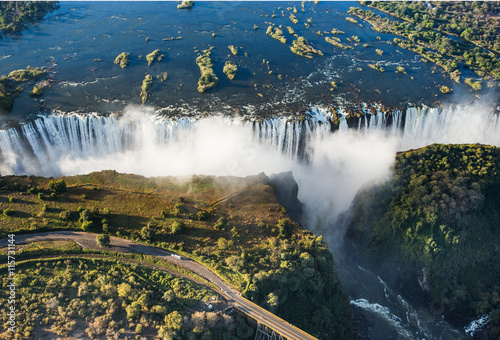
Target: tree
222, 243
176, 227
124, 290
235, 262
133, 310
146, 233
57, 186
272, 301
103, 240
173, 320
169, 296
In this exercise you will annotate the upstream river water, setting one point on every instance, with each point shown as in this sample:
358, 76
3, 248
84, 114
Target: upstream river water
72, 128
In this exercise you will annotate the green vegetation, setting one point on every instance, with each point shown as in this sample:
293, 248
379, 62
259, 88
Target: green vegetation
208, 80
9, 85
376, 67
172, 38
301, 47
15, 15
401, 69
102, 240
156, 55
30, 73
146, 85
233, 49
235, 227
379, 52
476, 22
476, 85
185, 5
437, 221
67, 296
420, 34
58, 186
336, 31
7, 93
276, 33
336, 42
291, 31
123, 59
354, 21
162, 77
293, 19
230, 70
445, 89
40, 88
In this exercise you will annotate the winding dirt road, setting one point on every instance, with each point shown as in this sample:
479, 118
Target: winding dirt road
88, 240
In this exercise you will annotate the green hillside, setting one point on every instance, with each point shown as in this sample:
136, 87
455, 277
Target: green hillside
436, 226
234, 226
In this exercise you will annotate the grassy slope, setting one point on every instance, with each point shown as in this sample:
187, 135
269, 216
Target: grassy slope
262, 250
437, 221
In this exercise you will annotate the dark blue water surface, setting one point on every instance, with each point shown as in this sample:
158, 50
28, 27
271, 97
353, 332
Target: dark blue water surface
69, 39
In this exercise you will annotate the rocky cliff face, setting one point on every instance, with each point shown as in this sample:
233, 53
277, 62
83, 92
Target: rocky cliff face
286, 191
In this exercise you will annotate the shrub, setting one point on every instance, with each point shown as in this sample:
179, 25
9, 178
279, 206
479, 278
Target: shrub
41, 196
445, 89
176, 227
178, 209
202, 215
146, 233
103, 240
219, 226
283, 227
65, 215
123, 59
7, 212
11, 199
57, 186
87, 226
222, 243
85, 216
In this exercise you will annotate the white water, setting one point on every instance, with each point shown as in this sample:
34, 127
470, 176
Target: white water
384, 313
69, 144
476, 325
338, 164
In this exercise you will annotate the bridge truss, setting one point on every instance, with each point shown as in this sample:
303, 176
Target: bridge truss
266, 333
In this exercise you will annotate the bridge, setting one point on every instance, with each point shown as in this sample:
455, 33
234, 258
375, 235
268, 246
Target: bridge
266, 333
269, 326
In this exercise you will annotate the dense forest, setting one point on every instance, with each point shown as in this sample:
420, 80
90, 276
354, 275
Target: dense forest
428, 30
236, 227
15, 15
434, 226
107, 298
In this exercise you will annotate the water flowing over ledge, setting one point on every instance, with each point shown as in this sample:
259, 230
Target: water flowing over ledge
38, 147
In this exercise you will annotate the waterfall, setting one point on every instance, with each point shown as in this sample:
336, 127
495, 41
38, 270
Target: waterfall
38, 146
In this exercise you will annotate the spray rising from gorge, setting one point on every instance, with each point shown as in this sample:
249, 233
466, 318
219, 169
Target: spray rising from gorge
322, 155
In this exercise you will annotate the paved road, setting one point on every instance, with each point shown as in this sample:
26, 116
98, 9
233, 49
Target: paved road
87, 240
